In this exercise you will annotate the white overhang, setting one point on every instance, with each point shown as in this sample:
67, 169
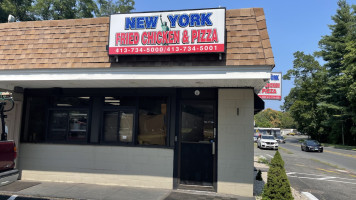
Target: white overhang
127, 77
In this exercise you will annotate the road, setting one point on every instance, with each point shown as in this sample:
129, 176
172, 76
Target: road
327, 175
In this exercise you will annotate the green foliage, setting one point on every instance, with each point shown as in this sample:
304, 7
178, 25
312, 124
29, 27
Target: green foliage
277, 160
278, 186
110, 7
86, 9
64, 9
323, 99
125, 6
18, 8
263, 161
287, 121
274, 119
27, 10
259, 175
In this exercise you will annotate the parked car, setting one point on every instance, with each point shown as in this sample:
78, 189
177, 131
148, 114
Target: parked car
267, 142
8, 172
311, 145
292, 134
280, 139
255, 138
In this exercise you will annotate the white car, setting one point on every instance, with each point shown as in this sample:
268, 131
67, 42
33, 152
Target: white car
255, 138
267, 142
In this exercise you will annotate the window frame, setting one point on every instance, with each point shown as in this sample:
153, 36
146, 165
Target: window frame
169, 96
118, 109
67, 110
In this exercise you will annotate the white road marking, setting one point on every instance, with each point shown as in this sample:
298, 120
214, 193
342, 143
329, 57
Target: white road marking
317, 177
309, 196
326, 178
322, 176
341, 170
12, 197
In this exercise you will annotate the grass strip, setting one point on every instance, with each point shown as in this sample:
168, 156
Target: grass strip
340, 146
263, 160
285, 150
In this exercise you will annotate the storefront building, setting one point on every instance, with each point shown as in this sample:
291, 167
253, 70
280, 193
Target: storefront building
163, 120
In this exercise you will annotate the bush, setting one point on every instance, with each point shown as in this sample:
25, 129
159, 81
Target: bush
259, 175
277, 160
277, 186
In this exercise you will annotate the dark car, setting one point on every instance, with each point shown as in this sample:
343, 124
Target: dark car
280, 139
311, 145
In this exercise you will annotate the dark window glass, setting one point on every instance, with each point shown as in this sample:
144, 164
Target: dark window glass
71, 101
35, 120
119, 101
152, 121
197, 123
110, 126
126, 126
58, 125
68, 126
78, 126
118, 126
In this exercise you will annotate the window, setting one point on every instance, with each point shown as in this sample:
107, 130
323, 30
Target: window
111, 119
70, 101
119, 101
152, 121
68, 125
118, 126
35, 119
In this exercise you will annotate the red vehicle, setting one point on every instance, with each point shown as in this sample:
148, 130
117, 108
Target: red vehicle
8, 153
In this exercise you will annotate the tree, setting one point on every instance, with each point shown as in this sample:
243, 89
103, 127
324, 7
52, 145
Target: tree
278, 186
3, 14
20, 9
323, 99
110, 7
268, 118
287, 121
337, 50
303, 101
274, 119
125, 6
27, 10
86, 9
43, 9
350, 79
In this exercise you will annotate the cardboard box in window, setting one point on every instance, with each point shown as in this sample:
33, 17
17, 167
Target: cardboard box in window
152, 129
126, 127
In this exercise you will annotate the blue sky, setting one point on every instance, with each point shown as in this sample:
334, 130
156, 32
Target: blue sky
292, 25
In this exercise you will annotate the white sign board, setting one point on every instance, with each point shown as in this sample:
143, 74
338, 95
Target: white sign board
185, 31
273, 89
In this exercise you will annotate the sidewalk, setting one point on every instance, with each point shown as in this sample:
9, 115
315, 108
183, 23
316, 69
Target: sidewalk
77, 191
66, 191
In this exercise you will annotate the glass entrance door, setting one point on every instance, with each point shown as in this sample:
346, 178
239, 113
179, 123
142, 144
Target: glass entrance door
197, 143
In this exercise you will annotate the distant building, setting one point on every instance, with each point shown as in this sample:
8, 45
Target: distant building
267, 131
287, 131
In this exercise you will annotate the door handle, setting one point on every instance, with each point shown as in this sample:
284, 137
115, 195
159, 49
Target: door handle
213, 142
213, 148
